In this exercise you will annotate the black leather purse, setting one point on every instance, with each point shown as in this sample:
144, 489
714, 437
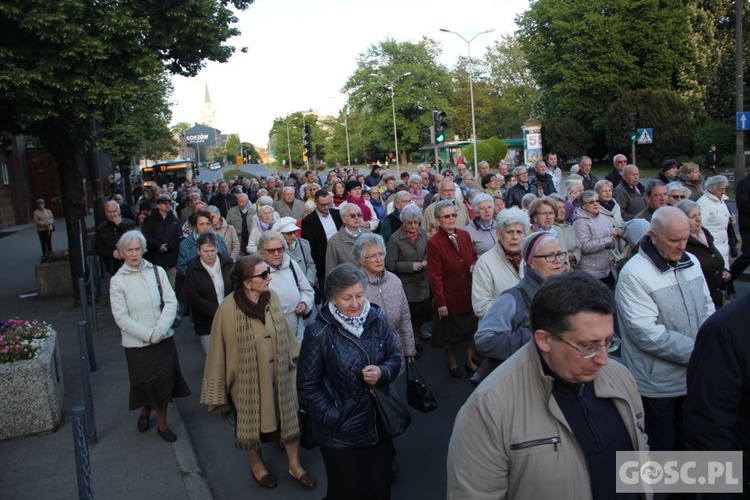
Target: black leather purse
392, 414
418, 395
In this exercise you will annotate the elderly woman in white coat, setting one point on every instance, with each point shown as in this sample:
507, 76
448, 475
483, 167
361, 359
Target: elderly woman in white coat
502, 266
289, 281
715, 214
144, 307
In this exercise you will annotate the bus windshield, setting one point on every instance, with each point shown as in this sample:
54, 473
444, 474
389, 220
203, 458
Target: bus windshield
164, 172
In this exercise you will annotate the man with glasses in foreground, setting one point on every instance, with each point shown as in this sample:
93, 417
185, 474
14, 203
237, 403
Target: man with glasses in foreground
548, 422
662, 300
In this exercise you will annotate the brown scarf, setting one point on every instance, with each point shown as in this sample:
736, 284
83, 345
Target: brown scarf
513, 258
247, 306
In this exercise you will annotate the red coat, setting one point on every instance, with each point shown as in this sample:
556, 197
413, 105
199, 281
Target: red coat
450, 271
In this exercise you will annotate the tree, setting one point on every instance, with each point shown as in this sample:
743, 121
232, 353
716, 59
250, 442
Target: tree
460, 121
251, 152
586, 55
65, 63
232, 148
427, 88
664, 111
566, 137
511, 85
491, 150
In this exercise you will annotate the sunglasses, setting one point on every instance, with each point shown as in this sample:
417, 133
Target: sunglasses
275, 250
264, 275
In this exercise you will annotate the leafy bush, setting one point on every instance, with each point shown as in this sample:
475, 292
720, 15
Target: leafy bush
491, 150
566, 137
715, 133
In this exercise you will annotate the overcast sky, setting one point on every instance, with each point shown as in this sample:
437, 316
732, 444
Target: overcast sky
301, 52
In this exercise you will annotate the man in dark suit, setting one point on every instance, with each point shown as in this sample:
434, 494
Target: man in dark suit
318, 227
615, 176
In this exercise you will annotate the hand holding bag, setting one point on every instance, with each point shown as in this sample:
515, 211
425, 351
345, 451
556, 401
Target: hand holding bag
418, 395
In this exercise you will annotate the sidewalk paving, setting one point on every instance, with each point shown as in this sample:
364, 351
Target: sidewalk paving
124, 463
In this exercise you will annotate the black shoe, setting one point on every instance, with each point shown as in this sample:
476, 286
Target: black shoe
143, 422
469, 371
167, 435
419, 346
455, 372
177, 321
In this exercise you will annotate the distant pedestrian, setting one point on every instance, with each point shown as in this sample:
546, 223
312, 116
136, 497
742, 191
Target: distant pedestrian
144, 306
45, 224
711, 160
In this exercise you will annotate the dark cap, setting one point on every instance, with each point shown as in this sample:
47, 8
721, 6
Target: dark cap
164, 198
351, 185
670, 163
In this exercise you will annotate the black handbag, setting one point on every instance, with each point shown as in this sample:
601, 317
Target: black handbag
305, 429
418, 395
392, 414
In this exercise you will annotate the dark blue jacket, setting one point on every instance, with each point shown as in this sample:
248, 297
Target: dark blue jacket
329, 378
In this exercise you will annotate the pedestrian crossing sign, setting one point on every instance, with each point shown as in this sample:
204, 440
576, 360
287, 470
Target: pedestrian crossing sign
645, 136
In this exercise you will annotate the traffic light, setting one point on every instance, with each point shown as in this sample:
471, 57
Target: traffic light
439, 126
630, 128
428, 136
307, 138
319, 152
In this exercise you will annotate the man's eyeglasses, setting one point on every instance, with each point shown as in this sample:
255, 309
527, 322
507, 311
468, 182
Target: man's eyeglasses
275, 250
324, 204
677, 196
552, 257
591, 202
264, 275
588, 352
449, 216
355, 216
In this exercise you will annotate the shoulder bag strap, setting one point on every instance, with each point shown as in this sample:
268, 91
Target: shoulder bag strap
158, 285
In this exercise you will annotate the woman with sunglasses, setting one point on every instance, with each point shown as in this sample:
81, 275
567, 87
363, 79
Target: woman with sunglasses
290, 283
597, 238
450, 262
252, 363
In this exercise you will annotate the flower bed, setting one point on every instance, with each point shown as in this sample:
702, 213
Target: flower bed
31, 380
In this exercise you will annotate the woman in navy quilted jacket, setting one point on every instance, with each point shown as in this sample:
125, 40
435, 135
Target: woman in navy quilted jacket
348, 348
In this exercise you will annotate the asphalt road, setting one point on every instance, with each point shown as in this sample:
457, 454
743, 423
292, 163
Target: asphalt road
421, 450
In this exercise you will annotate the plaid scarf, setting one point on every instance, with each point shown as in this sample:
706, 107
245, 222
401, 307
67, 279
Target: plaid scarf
354, 325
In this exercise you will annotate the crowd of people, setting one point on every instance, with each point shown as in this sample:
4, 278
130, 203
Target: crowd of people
306, 291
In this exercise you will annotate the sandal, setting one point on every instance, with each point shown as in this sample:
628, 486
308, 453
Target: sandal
305, 480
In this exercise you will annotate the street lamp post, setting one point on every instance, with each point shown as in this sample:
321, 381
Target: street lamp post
391, 85
288, 145
346, 132
471, 92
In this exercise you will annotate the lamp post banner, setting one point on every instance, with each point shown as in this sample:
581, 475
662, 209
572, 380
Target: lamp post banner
532, 141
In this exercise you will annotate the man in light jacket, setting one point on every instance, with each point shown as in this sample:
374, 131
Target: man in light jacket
662, 300
548, 422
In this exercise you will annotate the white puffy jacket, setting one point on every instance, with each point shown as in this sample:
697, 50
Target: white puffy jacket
135, 299
660, 309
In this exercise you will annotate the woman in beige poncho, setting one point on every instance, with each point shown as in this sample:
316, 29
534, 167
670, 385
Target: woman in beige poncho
252, 359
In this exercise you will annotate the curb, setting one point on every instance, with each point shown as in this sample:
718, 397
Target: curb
193, 478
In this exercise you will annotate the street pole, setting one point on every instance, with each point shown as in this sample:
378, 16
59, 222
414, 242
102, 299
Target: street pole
288, 146
391, 85
471, 92
346, 131
739, 64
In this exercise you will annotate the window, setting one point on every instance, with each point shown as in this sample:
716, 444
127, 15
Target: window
6, 178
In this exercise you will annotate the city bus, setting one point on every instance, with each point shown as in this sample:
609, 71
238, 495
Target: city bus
164, 172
